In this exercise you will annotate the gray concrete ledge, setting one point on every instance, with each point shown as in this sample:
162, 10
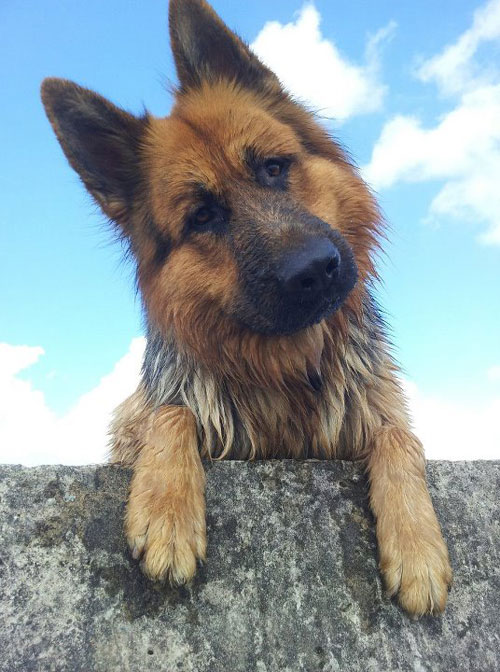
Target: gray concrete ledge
290, 584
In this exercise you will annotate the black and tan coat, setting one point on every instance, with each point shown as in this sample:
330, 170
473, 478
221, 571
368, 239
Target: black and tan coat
227, 205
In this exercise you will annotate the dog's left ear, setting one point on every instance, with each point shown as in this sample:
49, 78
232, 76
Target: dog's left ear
100, 141
206, 50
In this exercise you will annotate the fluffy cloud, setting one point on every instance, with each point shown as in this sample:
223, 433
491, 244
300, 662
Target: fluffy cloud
30, 433
454, 69
463, 148
455, 431
312, 68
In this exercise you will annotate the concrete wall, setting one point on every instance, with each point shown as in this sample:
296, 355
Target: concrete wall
290, 584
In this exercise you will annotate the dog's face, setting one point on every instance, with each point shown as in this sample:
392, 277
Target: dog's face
240, 210
236, 196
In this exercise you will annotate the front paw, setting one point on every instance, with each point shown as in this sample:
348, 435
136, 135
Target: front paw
168, 536
418, 570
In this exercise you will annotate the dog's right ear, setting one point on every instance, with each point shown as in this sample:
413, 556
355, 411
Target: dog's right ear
205, 49
100, 141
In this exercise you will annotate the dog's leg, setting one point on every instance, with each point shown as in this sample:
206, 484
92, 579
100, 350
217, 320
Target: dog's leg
165, 520
129, 428
413, 555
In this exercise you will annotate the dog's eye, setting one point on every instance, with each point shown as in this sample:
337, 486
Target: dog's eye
273, 173
209, 217
273, 168
203, 216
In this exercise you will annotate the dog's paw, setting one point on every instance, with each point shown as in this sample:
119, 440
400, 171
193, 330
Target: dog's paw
419, 572
168, 537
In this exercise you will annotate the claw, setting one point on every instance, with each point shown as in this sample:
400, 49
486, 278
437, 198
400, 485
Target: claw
138, 548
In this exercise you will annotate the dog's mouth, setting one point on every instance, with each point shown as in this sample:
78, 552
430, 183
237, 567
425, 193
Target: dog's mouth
285, 321
302, 289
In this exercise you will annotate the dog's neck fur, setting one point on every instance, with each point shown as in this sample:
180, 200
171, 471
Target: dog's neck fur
245, 406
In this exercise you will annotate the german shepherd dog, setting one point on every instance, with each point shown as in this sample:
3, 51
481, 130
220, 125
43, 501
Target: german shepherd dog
254, 240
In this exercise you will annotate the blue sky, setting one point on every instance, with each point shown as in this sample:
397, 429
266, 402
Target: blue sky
415, 98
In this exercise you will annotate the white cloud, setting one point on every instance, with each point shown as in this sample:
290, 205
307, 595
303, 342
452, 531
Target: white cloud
313, 69
455, 431
454, 69
30, 433
463, 148
15, 358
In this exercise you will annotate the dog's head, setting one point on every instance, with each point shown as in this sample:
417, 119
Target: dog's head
241, 212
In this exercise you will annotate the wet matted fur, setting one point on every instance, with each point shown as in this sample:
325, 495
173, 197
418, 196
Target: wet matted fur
254, 238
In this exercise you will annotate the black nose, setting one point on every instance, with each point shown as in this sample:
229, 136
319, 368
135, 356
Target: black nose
309, 272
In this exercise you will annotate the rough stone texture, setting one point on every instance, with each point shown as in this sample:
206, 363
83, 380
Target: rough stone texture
290, 584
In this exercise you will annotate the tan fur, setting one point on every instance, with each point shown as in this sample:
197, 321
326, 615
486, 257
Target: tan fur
165, 522
413, 556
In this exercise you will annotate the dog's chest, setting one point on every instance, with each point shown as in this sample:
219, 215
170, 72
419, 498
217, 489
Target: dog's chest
260, 423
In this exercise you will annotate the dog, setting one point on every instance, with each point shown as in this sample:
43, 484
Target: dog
254, 239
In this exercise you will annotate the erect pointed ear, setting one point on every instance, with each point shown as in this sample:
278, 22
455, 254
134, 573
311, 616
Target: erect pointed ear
206, 50
100, 141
